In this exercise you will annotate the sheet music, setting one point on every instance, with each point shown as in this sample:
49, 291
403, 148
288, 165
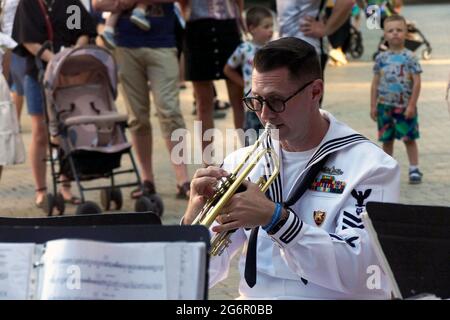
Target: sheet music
80, 269
15, 269
187, 265
192, 271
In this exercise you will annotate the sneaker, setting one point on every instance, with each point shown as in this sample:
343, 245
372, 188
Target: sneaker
415, 176
108, 39
139, 18
338, 56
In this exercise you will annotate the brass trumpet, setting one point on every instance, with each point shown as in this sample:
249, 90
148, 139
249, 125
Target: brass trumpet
231, 184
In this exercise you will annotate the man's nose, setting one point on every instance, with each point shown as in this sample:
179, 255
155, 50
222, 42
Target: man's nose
266, 112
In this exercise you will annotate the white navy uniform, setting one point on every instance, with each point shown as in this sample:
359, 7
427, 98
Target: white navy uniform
309, 258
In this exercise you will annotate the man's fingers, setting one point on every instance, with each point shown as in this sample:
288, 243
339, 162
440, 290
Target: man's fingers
211, 172
225, 218
204, 185
226, 227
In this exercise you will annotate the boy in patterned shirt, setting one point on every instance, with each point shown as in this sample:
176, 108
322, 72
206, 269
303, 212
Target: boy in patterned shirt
394, 94
259, 23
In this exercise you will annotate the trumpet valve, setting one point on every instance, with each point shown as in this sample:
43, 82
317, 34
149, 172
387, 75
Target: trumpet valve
217, 247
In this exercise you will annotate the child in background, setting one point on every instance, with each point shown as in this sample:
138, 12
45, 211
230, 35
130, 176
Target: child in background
138, 17
259, 22
394, 94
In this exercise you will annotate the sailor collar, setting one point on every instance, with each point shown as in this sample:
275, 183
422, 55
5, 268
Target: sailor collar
339, 136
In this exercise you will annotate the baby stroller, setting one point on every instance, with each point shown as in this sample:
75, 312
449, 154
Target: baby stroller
414, 37
356, 47
80, 86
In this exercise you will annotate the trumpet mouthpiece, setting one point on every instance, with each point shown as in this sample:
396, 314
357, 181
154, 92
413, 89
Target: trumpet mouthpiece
270, 126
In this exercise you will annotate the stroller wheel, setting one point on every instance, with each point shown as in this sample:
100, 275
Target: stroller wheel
88, 207
116, 196
60, 204
105, 198
49, 204
356, 44
151, 203
426, 54
357, 52
109, 195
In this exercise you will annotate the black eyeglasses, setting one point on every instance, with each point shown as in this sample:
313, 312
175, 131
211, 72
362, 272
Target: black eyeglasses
274, 104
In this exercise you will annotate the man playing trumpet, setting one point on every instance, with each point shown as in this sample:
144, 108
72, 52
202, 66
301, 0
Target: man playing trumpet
307, 236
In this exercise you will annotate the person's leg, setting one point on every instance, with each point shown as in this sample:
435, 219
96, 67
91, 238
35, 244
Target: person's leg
235, 97
163, 73
139, 17
413, 152
204, 95
1, 169
143, 148
386, 127
18, 102
182, 81
39, 138
408, 131
38, 153
388, 147
415, 175
133, 79
17, 75
111, 21
108, 32
141, 6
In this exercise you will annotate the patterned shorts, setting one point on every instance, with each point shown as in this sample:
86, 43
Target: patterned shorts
393, 125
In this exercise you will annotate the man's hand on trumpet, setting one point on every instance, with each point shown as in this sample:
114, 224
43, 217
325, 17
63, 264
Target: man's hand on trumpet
203, 186
247, 209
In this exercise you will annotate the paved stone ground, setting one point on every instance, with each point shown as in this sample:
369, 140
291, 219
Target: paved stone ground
347, 96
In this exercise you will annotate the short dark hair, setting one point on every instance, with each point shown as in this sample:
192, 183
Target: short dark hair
298, 56
255, 15
395, 17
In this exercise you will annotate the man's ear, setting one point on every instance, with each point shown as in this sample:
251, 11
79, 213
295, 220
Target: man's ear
317, 89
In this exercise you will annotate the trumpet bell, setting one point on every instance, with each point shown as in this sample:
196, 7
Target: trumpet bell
233, 184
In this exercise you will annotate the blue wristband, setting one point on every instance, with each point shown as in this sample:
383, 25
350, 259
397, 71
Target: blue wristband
275, 217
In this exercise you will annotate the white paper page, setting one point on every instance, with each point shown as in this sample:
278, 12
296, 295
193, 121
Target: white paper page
192, 270
80, 269
173, 261
186, 269
16, 261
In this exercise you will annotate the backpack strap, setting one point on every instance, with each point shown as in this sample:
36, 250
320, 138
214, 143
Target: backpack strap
48, 23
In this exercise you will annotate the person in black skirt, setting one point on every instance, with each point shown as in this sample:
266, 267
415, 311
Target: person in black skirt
212, 34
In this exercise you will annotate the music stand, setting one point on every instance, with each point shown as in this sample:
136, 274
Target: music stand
413, 245
29, 233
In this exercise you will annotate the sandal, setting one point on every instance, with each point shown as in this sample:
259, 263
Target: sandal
147, 188
73, 199
218, 105
184, 190
41, 204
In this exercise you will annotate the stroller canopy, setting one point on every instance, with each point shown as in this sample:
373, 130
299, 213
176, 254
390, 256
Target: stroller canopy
73, 63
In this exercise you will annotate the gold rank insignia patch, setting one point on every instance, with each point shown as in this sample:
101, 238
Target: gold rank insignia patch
319, 217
